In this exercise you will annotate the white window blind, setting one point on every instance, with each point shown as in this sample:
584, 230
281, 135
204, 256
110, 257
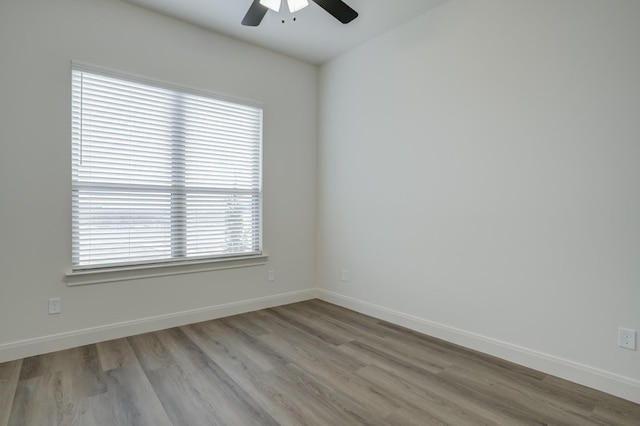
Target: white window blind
160, 174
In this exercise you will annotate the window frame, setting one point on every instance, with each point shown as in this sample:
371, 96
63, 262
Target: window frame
178, 263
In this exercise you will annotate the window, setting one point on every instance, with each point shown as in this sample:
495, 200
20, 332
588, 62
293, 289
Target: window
161, 175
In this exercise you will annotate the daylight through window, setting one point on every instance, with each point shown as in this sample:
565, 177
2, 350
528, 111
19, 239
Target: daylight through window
161, 174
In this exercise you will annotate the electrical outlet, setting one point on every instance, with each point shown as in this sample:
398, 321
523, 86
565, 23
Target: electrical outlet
345, 276
271, 275
627, 338
55, 306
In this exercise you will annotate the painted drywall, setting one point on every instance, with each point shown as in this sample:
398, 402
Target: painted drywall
38, 41
479, 173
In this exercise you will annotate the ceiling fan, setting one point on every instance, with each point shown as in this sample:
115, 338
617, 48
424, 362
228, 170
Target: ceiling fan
337, 8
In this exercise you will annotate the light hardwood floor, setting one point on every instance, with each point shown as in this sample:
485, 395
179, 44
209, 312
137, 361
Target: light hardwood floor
310, 363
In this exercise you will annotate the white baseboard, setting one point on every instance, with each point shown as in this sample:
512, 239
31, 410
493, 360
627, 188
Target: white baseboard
56, 342
604, 381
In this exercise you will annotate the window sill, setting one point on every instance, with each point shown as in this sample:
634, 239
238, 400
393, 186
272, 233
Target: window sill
160, 270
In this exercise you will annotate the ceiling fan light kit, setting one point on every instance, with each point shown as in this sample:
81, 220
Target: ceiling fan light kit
259, 8
271, 4
296, 5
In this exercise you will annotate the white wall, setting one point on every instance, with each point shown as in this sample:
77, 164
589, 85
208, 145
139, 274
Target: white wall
38, 40
480, 180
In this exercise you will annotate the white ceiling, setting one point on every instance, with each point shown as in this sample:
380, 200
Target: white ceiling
314, 37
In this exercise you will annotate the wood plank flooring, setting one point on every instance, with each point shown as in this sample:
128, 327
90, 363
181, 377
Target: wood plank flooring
309, 363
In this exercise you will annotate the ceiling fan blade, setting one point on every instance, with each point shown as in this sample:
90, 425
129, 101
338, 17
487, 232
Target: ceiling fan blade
255, 14
338, 9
